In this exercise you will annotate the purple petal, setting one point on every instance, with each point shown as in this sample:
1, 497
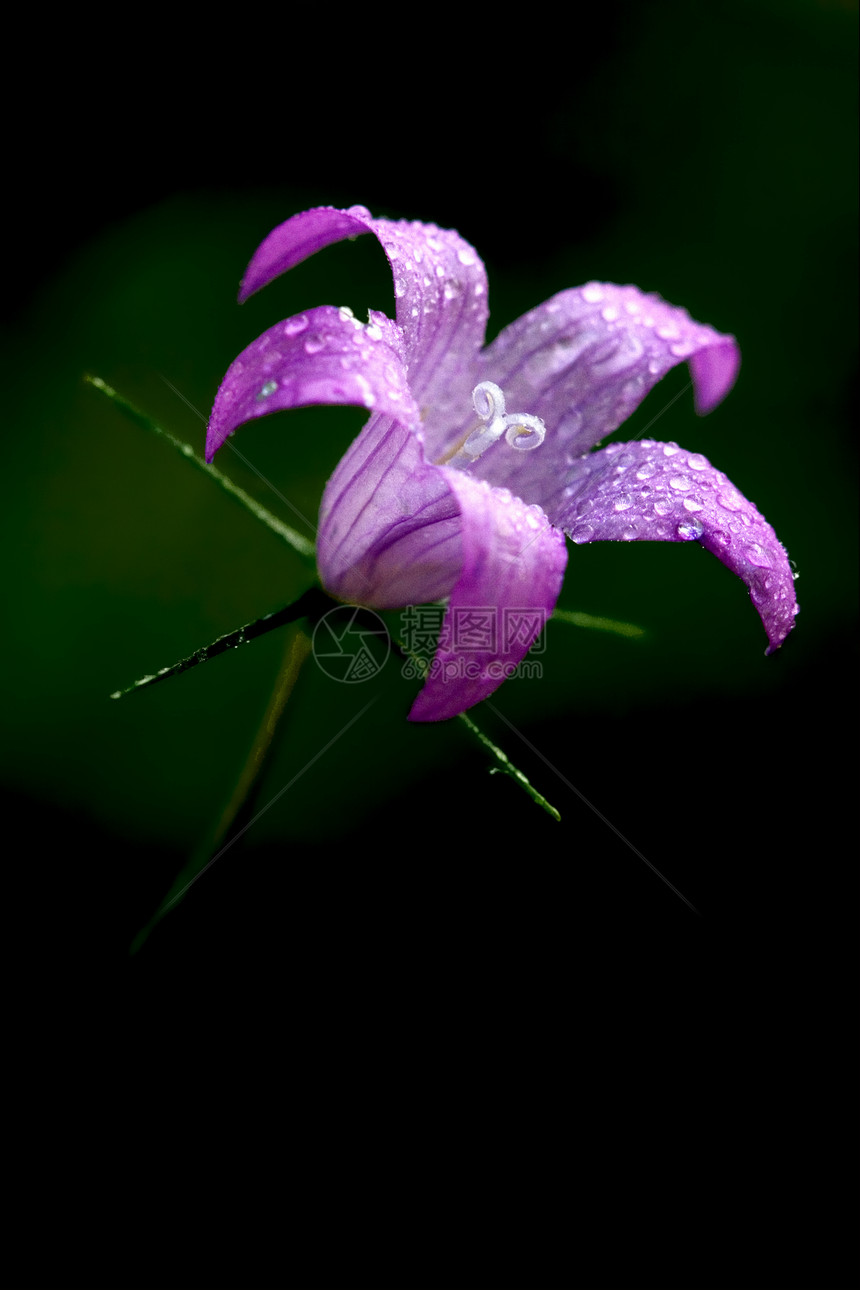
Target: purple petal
390, 525
583, 361
440, 288
513, 562
322, 356
298, 238
646, 491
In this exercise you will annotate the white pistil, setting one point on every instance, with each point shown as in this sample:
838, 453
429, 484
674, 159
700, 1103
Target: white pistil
522, 431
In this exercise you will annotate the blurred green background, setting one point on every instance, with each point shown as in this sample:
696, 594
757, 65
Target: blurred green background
707, 153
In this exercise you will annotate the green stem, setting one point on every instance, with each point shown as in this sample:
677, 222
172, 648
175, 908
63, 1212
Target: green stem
309, 604
507, 767
596, 624
301, 544
235, 816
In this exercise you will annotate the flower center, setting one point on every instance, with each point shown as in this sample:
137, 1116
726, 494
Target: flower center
521, 430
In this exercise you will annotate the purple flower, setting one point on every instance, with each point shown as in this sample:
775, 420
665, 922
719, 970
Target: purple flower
476, 461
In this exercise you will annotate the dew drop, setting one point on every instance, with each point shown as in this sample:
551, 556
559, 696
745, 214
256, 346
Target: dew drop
360, 212
690, 530
294, 326
582, 533
683, 349
697, 462
592, 294
624, 502
664, 506
465, 256
693, 504
730, 500
680, 483
314, 343
268, 388
647, 470
757, 555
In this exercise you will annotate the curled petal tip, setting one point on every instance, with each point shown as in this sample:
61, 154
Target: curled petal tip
657, 492
298, 238
324, 356
714, 371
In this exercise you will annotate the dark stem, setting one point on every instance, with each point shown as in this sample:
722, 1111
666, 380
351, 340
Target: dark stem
311, 604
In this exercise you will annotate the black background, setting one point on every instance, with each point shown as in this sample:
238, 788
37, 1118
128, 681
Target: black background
410, 1031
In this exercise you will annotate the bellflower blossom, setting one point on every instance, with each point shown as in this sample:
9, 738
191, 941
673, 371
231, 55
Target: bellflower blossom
476, 460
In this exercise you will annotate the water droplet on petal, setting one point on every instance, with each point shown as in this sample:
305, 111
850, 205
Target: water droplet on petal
592, 294
465, 256
647, 470
314, 343
680, 483
690, 530
582, 533
623, 502
293, 326
268, 388
697, 462
757, 555
360, 212
730, 499
683, 349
